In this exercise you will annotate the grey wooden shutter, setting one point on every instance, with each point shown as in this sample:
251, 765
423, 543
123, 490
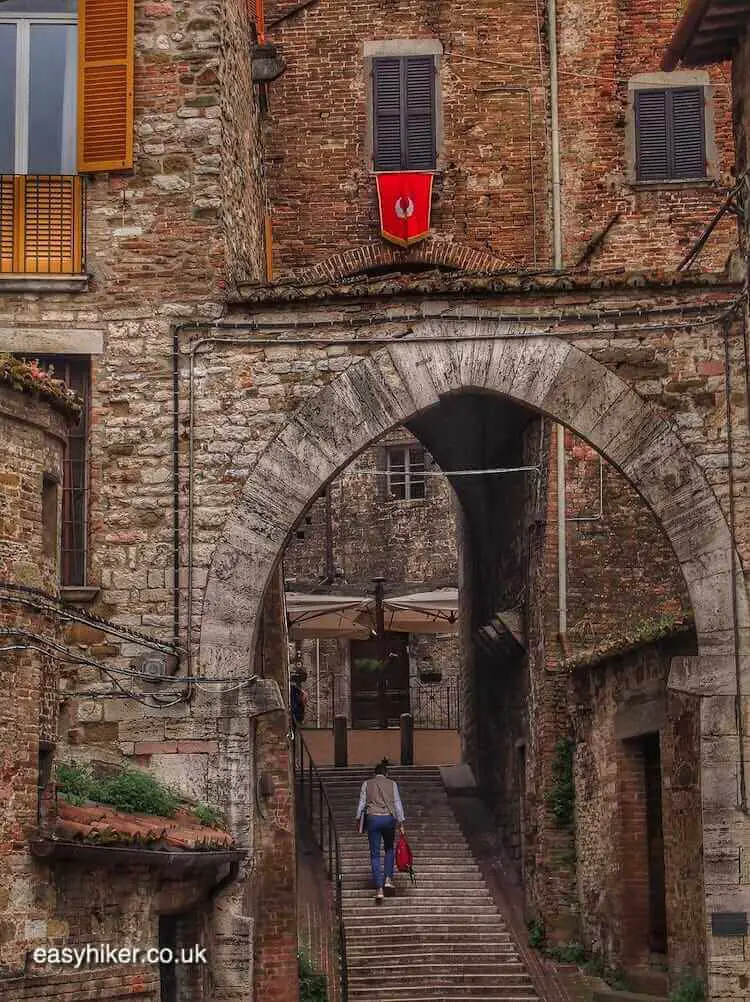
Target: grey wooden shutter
688, 132
387, 124
652, 139
419, 80
670, 134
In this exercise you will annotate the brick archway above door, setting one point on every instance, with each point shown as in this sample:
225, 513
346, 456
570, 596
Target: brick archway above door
449, 254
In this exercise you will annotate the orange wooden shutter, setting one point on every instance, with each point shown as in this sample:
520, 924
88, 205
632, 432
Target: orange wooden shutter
105, 84
8, 224
51, 231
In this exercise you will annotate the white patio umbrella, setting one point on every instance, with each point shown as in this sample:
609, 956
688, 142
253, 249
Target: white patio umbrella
353, 617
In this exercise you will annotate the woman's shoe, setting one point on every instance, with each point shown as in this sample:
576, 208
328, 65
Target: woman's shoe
389, 888
379, 896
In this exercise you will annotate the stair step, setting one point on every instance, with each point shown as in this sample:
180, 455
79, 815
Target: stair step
400, 978
481, 938
415, 956
422, 971
410, 993
442, 939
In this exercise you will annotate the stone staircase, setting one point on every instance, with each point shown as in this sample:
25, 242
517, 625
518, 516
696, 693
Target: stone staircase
441, 940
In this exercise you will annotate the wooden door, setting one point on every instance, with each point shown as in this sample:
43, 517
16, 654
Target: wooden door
380, 695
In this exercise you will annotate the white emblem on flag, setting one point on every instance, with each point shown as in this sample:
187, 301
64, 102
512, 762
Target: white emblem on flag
404, 207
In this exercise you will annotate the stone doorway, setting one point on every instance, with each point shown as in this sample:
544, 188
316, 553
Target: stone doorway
642, 866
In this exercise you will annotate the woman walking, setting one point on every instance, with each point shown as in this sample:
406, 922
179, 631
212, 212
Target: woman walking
381, 809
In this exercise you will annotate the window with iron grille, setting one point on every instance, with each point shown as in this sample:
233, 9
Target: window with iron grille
405, 472
75, 370
670, 134
404, 129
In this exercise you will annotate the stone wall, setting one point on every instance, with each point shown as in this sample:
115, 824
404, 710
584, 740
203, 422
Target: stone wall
412, 543
362, 533
32, 443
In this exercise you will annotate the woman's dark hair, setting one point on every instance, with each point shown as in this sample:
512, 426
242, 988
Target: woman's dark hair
381, 768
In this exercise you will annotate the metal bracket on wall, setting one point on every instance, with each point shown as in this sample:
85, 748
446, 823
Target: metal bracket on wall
730, 205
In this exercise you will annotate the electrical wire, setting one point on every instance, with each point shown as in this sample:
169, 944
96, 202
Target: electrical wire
593, 78
441, 473
42, 601
113, 669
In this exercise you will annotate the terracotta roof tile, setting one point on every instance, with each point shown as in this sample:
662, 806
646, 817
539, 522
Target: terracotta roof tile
102, 824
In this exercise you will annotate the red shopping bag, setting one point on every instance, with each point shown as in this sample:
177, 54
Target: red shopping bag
405, 858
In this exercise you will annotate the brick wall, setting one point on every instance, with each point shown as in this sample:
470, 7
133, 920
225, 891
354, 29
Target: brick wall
274, 888
493, 163
616, 703
601, 47
317, 926
137, 983
32, 443
621, 576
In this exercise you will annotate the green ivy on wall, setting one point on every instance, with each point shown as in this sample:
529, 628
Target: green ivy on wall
561, 796
312, 985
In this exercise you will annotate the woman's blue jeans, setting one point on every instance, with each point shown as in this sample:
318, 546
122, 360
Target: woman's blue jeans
381, 825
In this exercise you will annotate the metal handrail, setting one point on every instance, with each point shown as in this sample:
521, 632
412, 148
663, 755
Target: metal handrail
306, 775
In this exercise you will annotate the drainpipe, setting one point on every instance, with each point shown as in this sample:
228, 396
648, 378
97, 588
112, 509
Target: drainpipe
562, 555
554, 135
176, 490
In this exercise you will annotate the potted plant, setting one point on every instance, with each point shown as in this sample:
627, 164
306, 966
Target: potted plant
368, 665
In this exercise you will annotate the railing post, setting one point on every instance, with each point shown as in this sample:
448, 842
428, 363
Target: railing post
320, 812
310, 792
407, 739
340, 748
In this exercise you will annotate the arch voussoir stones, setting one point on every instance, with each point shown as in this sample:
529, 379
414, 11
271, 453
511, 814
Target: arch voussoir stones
395, 383
581, 396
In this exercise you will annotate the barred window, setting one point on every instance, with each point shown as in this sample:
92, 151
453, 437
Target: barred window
75, 370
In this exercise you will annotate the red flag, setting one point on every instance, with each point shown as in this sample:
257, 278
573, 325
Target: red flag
404, 200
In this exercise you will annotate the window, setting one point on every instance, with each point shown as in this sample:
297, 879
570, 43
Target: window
38, 70
66, 95
405, 472
75, 371
404, 131
670, 134
39, 197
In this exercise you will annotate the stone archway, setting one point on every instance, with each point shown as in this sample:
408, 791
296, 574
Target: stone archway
391, 386
395, 383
